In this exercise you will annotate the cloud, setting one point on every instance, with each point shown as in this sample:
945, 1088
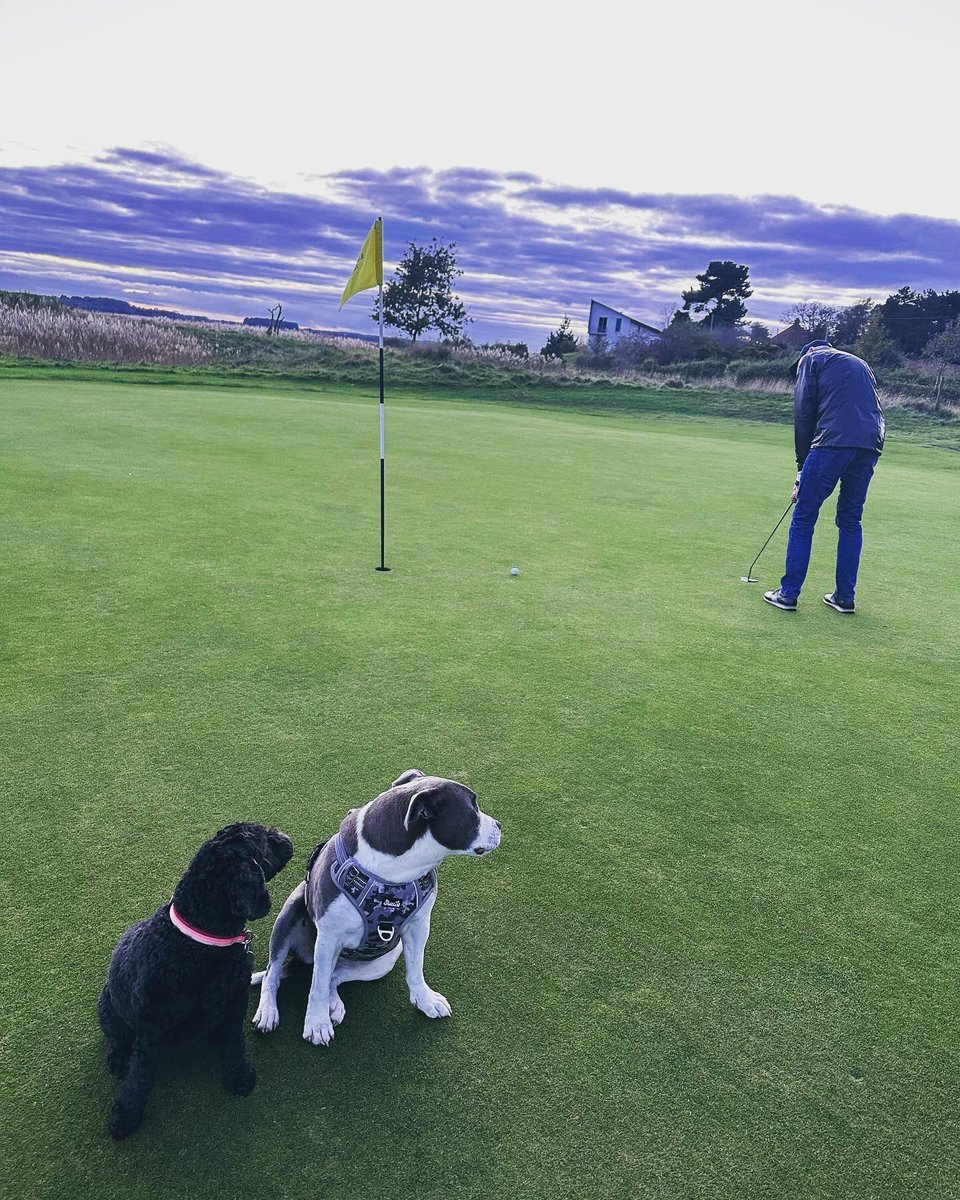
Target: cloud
151, 224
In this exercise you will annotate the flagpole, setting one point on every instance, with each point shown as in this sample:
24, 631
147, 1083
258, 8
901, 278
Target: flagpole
382, 567
366, 274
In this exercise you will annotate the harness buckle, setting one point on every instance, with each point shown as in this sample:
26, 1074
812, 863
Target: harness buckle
386, 932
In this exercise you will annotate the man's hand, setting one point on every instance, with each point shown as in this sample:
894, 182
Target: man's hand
796, 490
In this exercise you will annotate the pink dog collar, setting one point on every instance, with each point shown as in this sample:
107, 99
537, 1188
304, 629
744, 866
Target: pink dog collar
207, 939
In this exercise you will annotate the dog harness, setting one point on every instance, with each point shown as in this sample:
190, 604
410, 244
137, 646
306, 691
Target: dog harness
385, 907
207, 939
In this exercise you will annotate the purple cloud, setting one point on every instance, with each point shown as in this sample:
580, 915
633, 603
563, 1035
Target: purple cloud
148, 224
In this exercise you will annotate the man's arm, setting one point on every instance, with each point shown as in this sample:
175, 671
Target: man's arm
805, 401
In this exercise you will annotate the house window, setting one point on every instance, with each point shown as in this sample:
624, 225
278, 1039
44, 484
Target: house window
618, 324
602, 325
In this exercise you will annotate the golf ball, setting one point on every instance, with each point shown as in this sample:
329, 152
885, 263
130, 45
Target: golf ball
514, 570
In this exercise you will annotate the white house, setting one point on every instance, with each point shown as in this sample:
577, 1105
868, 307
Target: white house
608, 323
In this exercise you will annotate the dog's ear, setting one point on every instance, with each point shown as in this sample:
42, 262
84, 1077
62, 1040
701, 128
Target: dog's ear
422, 806
247, 892
278, 852
408, 776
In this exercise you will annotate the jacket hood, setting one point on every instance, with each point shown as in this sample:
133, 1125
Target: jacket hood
819, 344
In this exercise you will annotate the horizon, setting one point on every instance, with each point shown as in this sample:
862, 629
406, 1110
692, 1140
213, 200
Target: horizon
154, 229
205, 174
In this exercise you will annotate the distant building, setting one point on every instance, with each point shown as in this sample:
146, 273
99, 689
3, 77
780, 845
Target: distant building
608, 323
793, 337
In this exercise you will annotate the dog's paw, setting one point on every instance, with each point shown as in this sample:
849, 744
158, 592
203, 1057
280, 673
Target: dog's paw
338, 1009
431, 1003
124, 1121
240, 1078
318, 1029
266, 1018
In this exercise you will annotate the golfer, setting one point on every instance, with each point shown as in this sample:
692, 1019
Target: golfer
838, 431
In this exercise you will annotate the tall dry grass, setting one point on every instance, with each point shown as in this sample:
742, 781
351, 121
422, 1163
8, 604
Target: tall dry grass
77, 336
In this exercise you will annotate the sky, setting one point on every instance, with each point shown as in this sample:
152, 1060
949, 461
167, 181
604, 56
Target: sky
220, 157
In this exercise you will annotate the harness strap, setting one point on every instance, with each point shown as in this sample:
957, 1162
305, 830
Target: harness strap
385, 907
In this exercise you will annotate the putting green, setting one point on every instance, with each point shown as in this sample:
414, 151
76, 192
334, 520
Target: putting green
716, 954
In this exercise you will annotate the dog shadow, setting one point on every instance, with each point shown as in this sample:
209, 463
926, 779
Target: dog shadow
385, 1048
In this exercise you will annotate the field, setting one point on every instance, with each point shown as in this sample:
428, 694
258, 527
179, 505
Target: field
716, 954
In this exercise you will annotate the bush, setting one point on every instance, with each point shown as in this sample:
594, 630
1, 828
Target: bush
593, 360
631, 351
765, 368
432, 351
875, 345
561, 342
685, 341
701, 368
759, 350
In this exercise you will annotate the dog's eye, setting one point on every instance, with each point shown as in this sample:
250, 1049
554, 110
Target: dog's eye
476, 806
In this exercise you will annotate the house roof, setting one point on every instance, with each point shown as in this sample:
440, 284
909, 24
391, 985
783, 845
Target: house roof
642, 324
793, 337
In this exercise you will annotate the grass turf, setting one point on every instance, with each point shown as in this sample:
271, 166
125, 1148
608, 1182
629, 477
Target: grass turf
716, 953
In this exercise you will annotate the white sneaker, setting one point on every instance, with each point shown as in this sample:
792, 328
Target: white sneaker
779, 600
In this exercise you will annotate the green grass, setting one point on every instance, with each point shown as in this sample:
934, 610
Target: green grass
325, 368
716, 953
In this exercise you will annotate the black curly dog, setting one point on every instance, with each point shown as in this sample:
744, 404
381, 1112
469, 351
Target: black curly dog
164, 986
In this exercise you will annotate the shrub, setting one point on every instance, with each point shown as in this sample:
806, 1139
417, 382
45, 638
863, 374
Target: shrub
594, 359
758, 350
684, 341
632, 351
561, 342
743, 371
432, 351
514, 349
701, 368
876, 346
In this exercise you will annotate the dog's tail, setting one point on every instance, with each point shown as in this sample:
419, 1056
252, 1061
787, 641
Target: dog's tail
257, 977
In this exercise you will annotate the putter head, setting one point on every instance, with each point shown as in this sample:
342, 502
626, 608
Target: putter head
748, 579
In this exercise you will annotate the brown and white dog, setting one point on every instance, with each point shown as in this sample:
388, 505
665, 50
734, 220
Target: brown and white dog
369, 893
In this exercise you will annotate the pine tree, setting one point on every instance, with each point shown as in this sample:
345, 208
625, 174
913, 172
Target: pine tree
562, 341
726, 285
875, 345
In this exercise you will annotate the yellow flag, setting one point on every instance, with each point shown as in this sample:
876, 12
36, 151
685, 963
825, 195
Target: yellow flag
368, 272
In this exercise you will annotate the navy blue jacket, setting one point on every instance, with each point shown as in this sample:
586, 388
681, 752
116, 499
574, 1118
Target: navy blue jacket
835, 402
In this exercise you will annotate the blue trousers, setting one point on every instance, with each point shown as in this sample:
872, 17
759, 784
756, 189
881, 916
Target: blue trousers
822, 470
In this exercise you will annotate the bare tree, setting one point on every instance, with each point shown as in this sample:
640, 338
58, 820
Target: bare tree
818, 319
943, 350
275, 314
665, 313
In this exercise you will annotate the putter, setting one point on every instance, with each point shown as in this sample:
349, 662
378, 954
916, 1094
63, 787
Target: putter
749, 577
